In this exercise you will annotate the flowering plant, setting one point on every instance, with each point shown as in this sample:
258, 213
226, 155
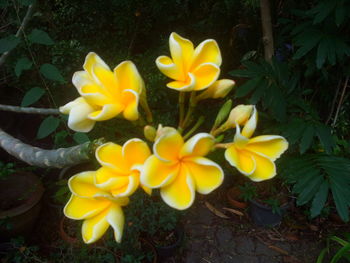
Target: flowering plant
176, 162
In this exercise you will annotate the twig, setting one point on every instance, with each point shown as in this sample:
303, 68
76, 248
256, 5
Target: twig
340, 101
333, 102
58, 158
29, 110
20, 30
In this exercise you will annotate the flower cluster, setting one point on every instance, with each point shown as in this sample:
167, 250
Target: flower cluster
176, 165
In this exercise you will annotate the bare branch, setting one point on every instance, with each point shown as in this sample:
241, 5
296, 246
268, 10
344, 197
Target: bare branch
267, 29
29, 110
58, 158
24, 23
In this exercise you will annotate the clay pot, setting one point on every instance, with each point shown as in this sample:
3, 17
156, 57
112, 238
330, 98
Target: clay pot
263, 215
20, 196
233, 197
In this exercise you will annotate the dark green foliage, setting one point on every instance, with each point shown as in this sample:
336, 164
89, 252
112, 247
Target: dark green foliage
314, 176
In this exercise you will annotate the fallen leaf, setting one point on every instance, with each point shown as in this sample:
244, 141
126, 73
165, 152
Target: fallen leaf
234, 211
290, 259
314, 228
292, 237
279, 250
215, 211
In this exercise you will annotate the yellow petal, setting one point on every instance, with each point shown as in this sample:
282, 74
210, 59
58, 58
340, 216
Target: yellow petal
250, 125
157, 173
198, 145
115, 218
108, 111
78, 111
147, 189
180, 193
169, 68
80, 208
205, 74
181, 50
271, 146
242, 160
265, 169
94, 227
129, 188
219, 89
207, 51
187, 85
239, 115
107, 81
93, 59
207, 175
130, 100
111, 156
82, 184
108, 179
168, 146
129, 77
135, 151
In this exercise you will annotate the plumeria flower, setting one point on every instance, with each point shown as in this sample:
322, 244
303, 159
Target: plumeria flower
190, 68
107, 93
179, 169
96, 207
121, 166
254, 157
219, 89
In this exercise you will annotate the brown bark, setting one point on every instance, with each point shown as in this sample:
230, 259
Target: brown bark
267, 29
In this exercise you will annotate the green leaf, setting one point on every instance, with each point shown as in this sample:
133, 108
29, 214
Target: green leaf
319, 199
21, 65
307, 138
310, 190
80, 137
8, 43
340, 201
26, 2
340, 13
247, 87
32, 96
223, 113
321, 53
259, 92
321, 255
38, 36
48, 126
341, 252
51, 72
325, 135
307, 41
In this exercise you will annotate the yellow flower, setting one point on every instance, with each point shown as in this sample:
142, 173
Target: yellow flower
107, 93
121, 166
254, 157
179, 168
190, 68
219, 89
97, 208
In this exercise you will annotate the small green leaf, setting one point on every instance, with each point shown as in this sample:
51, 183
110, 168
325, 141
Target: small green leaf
321, 53
247, 87
310, 190
223, 113
21, 65
319, 200
26, 2
48, 126
80, 137
341, 203
32, 96
325, 135
8, 43
307, 138
51, 72
340, 13
38, 36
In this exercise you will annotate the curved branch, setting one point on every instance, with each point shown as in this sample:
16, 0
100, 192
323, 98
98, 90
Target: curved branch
47, 158
29, 110
24, 23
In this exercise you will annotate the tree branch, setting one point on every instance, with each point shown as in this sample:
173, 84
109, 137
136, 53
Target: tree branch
24, 23
29, 110
267, 29
48, 158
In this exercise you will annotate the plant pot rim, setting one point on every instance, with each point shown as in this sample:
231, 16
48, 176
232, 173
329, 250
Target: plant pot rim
235, 202
268, 207
179, 233
33, 199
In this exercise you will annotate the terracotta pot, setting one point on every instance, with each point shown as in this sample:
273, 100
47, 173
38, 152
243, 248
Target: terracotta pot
66, 237
234, 199
20, 196
263, 215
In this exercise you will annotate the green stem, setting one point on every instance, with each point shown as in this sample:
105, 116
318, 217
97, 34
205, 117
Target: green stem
144, 105
192, 106
195, 127
181, 108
